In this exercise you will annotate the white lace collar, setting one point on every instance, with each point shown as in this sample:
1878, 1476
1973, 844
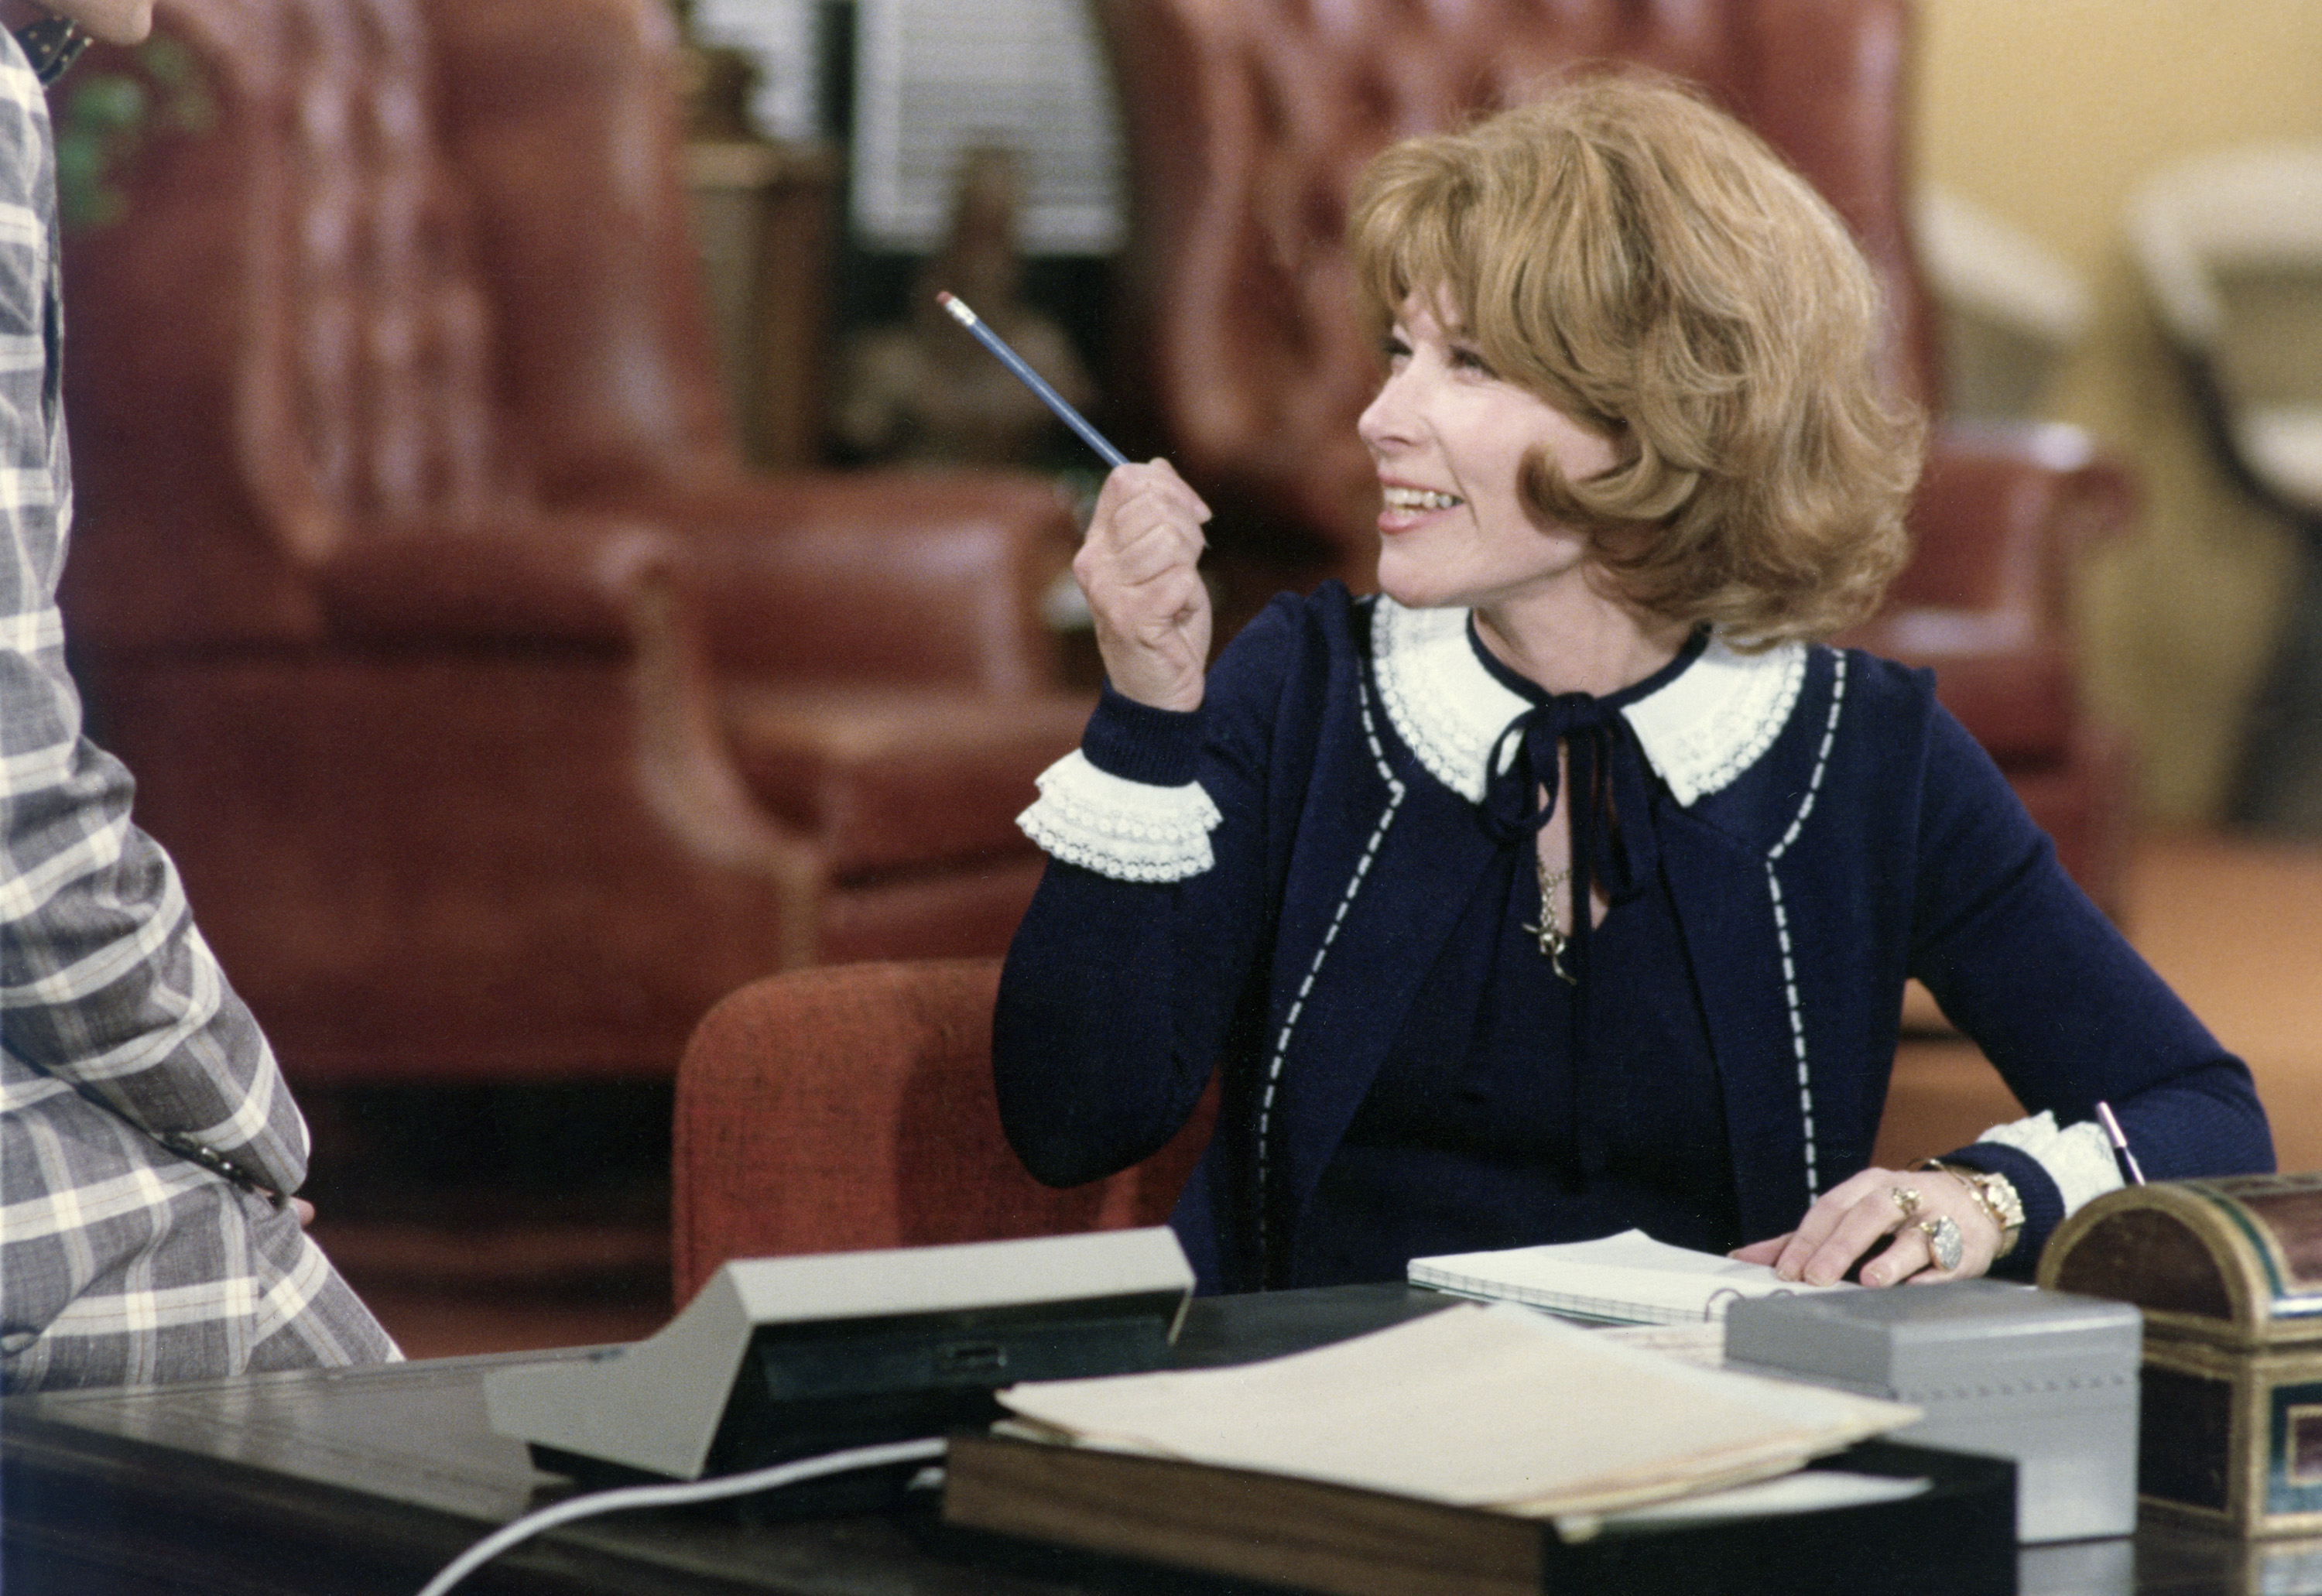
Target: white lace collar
1700, 731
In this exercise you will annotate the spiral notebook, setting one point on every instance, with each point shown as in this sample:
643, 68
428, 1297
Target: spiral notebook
1629, 1279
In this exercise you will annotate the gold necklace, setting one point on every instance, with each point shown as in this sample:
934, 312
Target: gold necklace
1550, 929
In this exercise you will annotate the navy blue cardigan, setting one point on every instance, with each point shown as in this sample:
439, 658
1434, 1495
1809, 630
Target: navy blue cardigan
1859, 838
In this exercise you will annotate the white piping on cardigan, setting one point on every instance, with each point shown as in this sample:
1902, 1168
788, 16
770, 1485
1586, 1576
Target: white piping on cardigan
2078, 1158
1782, 925
1395, 792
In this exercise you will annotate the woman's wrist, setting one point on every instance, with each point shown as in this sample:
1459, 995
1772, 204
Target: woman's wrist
1996, 1198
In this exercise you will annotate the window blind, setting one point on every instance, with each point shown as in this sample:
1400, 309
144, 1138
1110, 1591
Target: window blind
934, 78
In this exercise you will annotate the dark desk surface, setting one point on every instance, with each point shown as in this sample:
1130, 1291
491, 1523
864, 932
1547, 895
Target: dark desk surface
372, 1480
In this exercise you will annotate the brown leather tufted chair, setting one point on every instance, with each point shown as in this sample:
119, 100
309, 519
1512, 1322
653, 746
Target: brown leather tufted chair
500, 720
1242, 336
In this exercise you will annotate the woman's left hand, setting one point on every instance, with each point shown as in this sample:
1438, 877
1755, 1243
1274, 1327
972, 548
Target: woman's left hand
1847, 1221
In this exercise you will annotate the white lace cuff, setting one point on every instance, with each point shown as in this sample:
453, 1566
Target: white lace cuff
2078, 1158
1127, 830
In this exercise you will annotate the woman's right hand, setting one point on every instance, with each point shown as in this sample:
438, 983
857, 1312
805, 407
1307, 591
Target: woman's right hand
1137, 565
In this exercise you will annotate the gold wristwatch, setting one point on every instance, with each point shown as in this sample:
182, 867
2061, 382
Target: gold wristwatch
1997, 1194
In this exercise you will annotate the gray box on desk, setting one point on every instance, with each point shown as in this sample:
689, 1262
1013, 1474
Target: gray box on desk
2045, 1378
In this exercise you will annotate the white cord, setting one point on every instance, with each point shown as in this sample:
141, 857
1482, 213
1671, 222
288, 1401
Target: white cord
679, 1493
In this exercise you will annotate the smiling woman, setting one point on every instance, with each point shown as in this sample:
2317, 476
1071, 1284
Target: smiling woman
1570, 884
1713, 323
1456, 446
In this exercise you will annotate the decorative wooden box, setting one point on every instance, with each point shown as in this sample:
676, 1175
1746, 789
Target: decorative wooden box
2228, 1274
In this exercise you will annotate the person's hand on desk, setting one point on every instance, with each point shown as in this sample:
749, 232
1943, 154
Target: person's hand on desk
1138, 567
1914, 1209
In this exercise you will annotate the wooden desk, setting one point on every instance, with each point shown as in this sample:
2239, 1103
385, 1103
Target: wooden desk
369, 1481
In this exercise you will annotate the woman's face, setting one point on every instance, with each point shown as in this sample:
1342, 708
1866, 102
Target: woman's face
1449, 439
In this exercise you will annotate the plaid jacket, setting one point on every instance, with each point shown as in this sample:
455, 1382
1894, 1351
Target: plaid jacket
148, 1144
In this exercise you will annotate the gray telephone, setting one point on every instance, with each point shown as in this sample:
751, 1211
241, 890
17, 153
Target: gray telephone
780, 1358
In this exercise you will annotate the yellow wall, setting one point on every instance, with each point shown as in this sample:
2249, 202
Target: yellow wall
2049, 113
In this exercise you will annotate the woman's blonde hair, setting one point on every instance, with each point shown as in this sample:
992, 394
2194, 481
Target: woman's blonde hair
1648, 265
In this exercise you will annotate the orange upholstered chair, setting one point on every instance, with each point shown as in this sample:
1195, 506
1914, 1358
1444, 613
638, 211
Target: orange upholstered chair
1241, 339
850, 1106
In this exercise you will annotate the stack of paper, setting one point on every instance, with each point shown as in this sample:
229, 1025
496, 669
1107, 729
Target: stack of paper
1485, 1407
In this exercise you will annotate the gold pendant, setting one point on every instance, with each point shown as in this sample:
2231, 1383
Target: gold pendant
1550, 930
1552, 943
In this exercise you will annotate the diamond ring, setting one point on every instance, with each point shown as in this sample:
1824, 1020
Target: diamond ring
1906, 1198
1943, 1241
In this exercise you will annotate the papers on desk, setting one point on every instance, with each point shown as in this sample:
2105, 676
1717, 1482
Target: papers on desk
1475, 1407
1481, 1451
1624, 1278
1804, 1491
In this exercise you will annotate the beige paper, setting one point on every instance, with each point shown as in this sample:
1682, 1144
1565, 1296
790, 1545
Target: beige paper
1478, 1406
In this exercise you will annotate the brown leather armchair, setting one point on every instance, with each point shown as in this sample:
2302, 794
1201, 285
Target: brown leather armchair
1242, 338
500, 722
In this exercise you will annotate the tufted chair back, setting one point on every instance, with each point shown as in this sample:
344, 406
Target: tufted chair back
382, 411
1248, 120
498, 720
583, 237
419, 269
298, 346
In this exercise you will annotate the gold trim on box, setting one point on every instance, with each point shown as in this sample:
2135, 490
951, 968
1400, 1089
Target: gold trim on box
2300, 1465
2227, 1219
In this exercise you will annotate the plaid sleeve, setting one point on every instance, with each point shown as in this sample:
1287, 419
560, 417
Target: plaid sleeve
120, 1265
105, 982
120, 1262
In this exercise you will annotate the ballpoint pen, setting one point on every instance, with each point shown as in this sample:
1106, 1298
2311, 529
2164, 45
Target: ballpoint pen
1031, 379
2119, 1139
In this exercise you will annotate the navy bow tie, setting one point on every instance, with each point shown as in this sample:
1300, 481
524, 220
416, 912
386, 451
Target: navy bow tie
1611, 828
1611, 822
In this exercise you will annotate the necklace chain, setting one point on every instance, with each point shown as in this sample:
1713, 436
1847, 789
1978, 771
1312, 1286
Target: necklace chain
1550, 929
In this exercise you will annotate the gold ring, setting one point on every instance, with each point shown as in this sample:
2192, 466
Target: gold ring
1906, 1198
